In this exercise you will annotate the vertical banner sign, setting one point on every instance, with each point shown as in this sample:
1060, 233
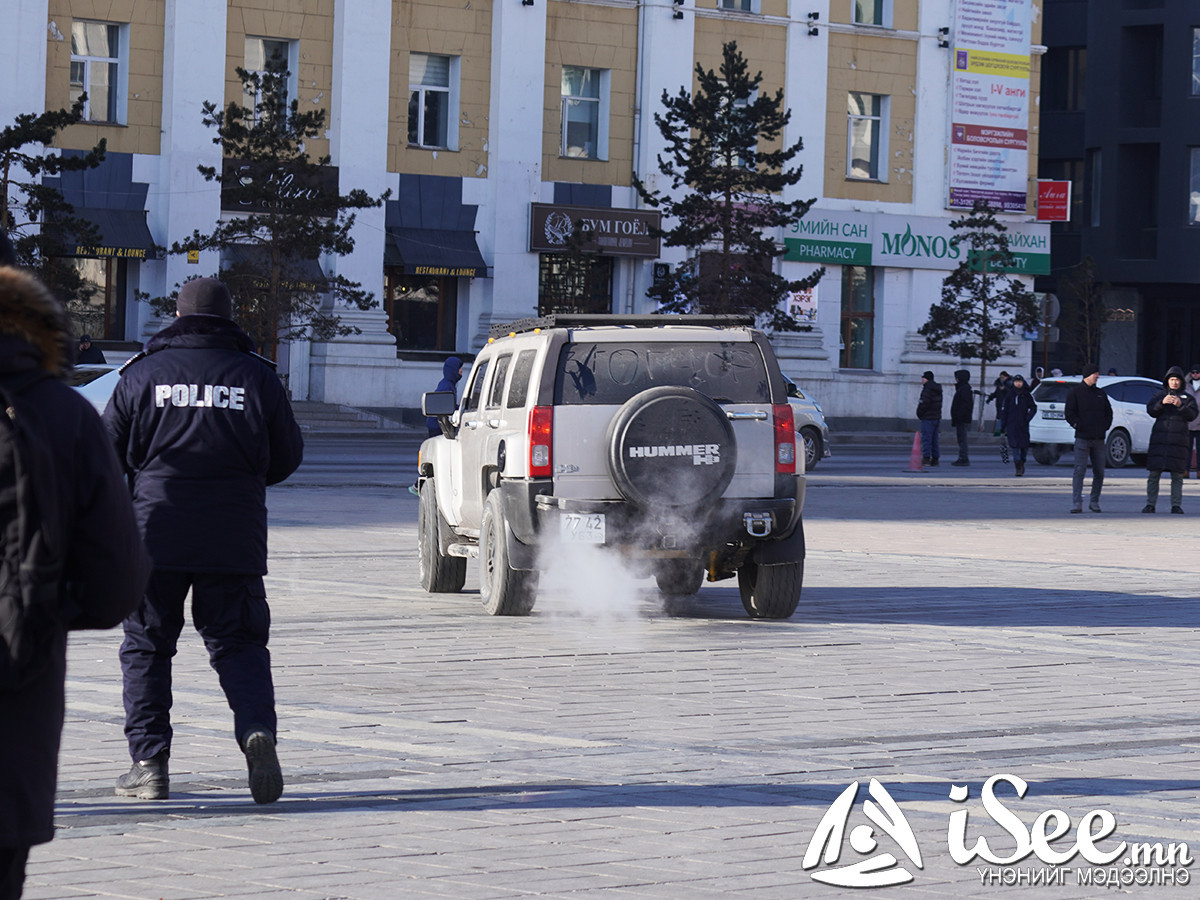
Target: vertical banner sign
989, 104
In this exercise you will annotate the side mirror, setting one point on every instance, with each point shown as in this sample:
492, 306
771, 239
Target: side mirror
436, 404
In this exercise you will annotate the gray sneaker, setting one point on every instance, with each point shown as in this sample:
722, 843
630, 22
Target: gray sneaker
146, 779
266, 779
1094, 506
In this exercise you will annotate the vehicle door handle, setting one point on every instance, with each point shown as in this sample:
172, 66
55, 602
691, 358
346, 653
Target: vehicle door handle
758, 415
495, 423
473, 423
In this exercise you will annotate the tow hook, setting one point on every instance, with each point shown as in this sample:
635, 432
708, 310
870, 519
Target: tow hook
758, 524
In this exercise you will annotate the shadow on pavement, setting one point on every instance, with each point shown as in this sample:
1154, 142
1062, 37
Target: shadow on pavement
79, 813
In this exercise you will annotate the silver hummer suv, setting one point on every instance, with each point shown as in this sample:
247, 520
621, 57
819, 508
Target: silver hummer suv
667, 440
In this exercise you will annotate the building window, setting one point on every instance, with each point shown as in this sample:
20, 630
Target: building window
1194, 193
432, 101
584, 113
421, 312
1064, 71
1093, 173
96, 68
858, 318
739, 5
873, 12
98, 309
262, 56
866, 136
1196, 62
574, 283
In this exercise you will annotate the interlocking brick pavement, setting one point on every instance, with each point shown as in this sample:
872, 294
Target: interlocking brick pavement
954, 625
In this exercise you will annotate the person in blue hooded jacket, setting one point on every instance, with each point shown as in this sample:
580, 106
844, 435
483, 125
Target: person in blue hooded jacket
451, 376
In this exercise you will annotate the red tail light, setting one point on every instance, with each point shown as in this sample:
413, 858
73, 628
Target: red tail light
541, 440
785, 440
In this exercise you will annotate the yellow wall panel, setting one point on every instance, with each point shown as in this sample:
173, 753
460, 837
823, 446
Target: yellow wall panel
141, 132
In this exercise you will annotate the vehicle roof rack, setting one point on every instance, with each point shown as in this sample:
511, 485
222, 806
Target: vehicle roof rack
633, 320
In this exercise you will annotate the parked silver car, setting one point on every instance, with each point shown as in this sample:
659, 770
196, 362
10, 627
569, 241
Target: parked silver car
810, 425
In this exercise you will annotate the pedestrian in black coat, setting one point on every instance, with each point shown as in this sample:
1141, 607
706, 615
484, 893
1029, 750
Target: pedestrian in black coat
106, 564
962, 413
202, 425
929, 413
1172, 408
1089, 412
1018, 410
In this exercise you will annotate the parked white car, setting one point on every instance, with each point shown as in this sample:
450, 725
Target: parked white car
96, 382
1129, 436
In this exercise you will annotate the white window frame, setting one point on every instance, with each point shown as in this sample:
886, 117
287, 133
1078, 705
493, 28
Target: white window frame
452, 96
885, 13
746, 6
604, 77
881, 157
293, 82
119, 91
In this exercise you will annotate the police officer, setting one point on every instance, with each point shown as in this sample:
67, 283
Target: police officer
202, 425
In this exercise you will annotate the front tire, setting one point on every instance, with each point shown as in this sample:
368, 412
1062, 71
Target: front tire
770, 592
439, 574
505, 591
814, 449
1116, 449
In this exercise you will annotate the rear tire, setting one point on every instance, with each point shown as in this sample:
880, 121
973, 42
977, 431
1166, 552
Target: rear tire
770, 592
505, 591
439, 574
1046, 454
814, 449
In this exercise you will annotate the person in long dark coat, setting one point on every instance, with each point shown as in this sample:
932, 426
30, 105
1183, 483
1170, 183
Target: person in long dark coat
1172, 409
106, 565
1018, 409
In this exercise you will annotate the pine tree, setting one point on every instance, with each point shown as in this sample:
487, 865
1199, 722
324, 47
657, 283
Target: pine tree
39, 220
981, 306
725, 184
293, 217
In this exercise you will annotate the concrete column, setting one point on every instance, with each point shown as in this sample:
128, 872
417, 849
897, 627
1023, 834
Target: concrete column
360, 368
518, 80
181, 201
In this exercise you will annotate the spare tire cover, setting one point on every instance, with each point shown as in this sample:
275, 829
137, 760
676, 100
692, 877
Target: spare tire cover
671, 446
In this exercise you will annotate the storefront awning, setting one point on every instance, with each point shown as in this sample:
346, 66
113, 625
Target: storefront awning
123, 234
253, 261
434, 252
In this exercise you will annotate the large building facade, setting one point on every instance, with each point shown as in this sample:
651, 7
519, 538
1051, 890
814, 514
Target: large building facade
1125, 132
496, 124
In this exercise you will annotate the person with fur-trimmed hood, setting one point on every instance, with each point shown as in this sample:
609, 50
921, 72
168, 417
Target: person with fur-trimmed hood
1015, 415
86, 513
202, 425
1172, 408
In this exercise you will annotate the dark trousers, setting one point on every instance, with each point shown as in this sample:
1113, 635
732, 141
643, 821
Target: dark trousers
12, 871
929, 438
1154, 476
960, 434
1086, 451
231, 614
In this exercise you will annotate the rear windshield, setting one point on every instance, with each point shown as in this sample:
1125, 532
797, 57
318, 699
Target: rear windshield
1053, 391
610, 373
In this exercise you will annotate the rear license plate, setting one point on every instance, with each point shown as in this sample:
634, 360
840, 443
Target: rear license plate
582, 528
1053, 414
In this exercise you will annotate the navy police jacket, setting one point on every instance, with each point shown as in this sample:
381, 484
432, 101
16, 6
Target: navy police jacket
202, 425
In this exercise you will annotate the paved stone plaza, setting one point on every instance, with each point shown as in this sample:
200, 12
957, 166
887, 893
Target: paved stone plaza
956, 624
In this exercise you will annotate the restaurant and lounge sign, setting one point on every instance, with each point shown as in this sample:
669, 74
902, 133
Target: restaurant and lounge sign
613, 232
